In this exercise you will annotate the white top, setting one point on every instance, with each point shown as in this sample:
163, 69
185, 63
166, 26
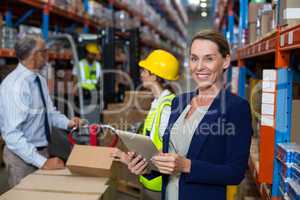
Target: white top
181, 136
164, 117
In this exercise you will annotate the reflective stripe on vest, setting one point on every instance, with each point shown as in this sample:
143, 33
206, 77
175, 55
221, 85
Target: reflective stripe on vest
156, 183
88, 74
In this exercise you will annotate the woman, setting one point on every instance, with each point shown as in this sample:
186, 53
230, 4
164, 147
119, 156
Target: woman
207, 140
158, 68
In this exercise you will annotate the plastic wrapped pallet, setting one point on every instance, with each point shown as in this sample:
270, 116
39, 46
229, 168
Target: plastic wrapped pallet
293, 190
289, 12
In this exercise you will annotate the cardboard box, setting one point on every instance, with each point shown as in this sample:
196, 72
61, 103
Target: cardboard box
62, 172
253, 11
295, 137
125, 119
91, 160
266, 22
289, 12
252, 32
64, 184
138, 99
36, 195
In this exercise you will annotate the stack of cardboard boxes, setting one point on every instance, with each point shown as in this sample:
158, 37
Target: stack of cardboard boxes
289, 12
260, 20
87, 177
133, 110
265, 17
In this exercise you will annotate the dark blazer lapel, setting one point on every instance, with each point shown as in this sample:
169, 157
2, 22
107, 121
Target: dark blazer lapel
200, 135
178, 105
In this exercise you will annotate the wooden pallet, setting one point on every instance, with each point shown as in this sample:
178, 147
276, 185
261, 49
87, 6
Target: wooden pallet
130, 189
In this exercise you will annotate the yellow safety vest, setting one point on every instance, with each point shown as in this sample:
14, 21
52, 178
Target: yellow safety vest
156, 183
88, 75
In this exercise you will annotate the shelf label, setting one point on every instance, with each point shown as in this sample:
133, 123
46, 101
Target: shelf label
267, 120
282, 40
268, 98
268, 86
291, 37
269, 75
267, 109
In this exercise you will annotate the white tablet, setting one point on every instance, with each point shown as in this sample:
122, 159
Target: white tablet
140, 144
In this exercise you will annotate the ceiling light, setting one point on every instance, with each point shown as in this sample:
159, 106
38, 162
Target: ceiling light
204, 14
194, 2
203, 5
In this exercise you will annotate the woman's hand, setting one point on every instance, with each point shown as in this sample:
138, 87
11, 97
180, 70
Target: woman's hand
137, 164
120, 156
171, 163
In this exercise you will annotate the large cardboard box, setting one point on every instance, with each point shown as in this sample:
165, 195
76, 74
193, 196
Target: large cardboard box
64, 184
124, 119
91, 160
15, 194
253, 11
138, 99
289, 12
295, 121
252, 32
266, 22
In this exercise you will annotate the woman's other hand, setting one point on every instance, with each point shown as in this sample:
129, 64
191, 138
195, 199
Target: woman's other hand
137, 164
171, 163
120, 156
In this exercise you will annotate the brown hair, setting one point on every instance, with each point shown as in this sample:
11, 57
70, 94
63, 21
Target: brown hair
215, 37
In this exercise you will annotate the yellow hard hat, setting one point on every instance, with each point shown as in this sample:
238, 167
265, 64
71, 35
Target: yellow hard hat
92, 48
163, 64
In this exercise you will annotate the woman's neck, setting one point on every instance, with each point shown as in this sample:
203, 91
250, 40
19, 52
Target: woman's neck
212, 90
156, 90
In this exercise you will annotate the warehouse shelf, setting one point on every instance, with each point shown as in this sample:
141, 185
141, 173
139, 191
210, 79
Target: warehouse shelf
70, 14
181, 11
149, 43
10, 53
254, 170
143, 19
156, 45
288, 39
7, 53
261, 47
173, 17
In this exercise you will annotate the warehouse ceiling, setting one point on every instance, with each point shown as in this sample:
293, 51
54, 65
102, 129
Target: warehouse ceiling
200, 13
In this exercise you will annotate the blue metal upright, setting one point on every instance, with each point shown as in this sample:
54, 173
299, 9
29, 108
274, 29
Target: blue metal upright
86, 5
45, 23
8, 18
243, 23
283, 119
242, 82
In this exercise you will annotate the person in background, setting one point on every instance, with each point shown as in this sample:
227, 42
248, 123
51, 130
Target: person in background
207, 141
89, 71
27, 113
156, 70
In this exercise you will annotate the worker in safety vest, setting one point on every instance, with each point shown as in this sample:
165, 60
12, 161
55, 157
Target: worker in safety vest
89, 72
156, 70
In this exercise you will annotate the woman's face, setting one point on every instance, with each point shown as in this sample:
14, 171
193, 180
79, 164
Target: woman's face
206, 63
147, 78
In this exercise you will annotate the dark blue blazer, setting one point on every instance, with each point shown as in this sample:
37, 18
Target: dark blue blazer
219, 149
